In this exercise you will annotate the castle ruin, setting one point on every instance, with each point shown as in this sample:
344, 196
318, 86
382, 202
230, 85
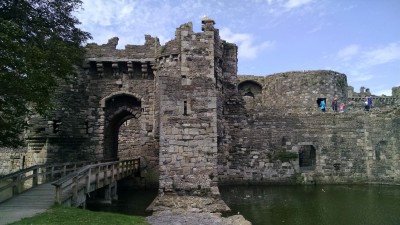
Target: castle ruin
196, 124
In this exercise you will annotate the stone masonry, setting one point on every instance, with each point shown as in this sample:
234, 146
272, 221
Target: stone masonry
196, 124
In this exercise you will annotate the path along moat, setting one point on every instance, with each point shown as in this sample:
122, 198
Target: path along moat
294, 205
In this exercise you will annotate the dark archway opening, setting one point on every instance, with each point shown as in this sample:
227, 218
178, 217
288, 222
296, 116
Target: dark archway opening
249, 88
113, 133
119, 110
307, 157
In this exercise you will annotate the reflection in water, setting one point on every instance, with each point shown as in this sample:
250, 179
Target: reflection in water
130, 201
319, 205
291, 205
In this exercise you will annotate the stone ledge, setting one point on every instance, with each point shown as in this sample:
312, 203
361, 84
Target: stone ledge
190, 218
177, 203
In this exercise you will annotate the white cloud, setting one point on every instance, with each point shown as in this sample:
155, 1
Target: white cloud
247, 48
296, 3
363, 65
383, 55
348, 52
130, 20
358, 59
279, 8
387, 92
105, 13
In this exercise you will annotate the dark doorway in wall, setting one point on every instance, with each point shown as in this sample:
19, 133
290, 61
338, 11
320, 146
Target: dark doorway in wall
307, 157
319, 100
119, 109
249, 88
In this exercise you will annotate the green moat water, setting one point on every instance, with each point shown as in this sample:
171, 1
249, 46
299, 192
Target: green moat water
292, 205
315, 205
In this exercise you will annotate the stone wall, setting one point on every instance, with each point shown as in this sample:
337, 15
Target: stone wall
11, 160
297, 90
266, 135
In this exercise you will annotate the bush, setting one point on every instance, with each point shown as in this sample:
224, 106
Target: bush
285, 156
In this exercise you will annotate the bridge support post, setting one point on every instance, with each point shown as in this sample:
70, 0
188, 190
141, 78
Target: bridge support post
17, 188
114, 191
35, 178
110, 192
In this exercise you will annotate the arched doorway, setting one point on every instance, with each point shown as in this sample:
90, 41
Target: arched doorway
119, 109
307, 157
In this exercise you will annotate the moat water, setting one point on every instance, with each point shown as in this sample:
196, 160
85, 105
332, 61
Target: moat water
292, 205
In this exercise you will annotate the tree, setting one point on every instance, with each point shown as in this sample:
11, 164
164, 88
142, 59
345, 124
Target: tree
39, 45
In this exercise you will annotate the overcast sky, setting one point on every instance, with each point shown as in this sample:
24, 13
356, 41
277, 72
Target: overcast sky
360, 38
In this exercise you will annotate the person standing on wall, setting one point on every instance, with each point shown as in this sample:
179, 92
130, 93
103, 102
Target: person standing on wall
334, 105
368, 103
342, 106
369, 99
322, 106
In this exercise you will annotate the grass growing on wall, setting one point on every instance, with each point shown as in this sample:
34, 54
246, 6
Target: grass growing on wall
60, 215
285, 156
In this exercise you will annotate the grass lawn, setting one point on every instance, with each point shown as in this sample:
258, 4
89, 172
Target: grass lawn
59, 215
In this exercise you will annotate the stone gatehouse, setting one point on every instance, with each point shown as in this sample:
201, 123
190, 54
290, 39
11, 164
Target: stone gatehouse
195, 123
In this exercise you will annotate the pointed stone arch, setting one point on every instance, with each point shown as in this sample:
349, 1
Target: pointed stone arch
118, 107
119, 93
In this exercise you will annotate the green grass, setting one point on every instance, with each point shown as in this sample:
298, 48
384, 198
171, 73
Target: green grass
60, 215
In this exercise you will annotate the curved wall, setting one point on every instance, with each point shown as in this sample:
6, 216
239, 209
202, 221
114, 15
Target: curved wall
299, 90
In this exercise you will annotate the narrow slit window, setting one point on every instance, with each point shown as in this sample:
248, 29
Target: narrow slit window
87, 127
185, 108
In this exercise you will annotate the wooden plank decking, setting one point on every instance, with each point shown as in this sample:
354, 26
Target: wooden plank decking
27, 204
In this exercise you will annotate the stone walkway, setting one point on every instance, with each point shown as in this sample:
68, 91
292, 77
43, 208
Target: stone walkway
194, 218
27, 204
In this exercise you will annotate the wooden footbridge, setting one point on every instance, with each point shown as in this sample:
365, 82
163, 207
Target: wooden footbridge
35, 189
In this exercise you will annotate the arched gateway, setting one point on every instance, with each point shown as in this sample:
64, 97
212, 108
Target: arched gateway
119, 109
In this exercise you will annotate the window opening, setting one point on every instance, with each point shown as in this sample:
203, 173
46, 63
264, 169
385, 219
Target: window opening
150, 72
185, 108
307, 157
56, 126
87, 127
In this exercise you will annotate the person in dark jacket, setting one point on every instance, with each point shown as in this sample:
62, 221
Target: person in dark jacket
368, 103
334, 105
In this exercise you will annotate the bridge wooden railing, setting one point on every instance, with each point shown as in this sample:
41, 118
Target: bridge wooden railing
72, 189
25, 179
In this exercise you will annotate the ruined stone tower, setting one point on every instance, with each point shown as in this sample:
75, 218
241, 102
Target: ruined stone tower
189, 72
188, 101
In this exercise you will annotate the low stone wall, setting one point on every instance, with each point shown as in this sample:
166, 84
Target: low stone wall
11, 160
